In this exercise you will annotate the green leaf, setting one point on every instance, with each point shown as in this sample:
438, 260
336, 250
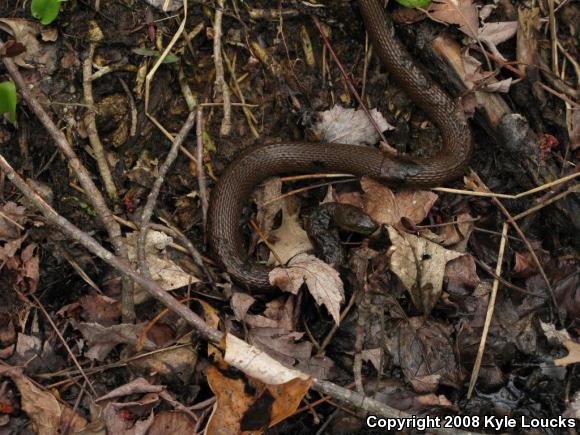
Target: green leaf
45, 10
8, 100
414, 3
170, 58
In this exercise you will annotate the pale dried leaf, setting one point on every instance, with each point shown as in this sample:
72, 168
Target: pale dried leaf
460, 12
289, 239
493, 34
420, 265
373, 356
163, 269
257, 364
554, 336
340, 125
573, 356
387, 207
503, 86
166, 6
136, 386
268, 207
458, 234
241, 303
322, 280
25, 32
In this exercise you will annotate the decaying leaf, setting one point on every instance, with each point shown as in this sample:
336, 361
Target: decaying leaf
554, 336
460, 12
420, 265
103, 339
169, 422
573, 356
573, 409
26, 33
165, 271
457, 235
322, 280
242, 409
289, 239
340, 125
387, 207
267, 204
47, 414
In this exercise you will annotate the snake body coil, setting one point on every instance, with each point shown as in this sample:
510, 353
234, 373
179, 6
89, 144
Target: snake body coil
258, 163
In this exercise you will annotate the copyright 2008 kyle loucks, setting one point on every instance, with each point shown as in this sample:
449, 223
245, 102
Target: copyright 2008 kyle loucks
466, 422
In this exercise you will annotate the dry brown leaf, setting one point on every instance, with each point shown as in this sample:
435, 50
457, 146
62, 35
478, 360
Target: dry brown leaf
554, 336
458, 233
241, 303
25, 32
47, 414
12, 215
322, 280
250, 410
163, 269
573, 356
420, 265
103, 339
503, 86
340, 125
525, 266
387, 207
170, 422
268, 207
460, 12
289, 239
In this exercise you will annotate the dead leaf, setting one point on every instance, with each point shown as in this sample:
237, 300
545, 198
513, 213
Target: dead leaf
242, 409
289, 239
460, 12
12, 215
170, 422
163, 269
100, 309
493, 34
387, 207
573, 356
573, 408
340, 125
279, 313
281, 344
103, 339
25, 32
461, 275
524, 266
554, 336
241, 303
136, 386
503, 86
47, 414
458, 233
425, 353
268, 207
322, 280
420, 265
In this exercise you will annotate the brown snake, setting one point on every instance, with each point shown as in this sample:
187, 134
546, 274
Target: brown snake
258, 163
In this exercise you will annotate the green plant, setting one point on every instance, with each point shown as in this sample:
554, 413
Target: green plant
8, 100
45, 11
414, 3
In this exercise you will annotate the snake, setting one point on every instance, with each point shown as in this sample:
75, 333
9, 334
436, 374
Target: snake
259, 162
